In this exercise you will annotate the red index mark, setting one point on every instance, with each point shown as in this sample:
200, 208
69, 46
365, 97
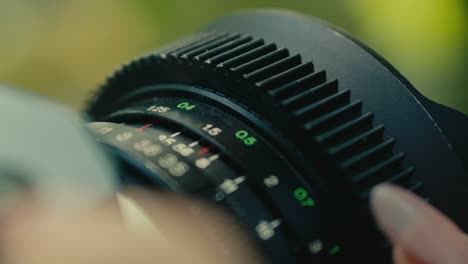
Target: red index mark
204, 150
144, 127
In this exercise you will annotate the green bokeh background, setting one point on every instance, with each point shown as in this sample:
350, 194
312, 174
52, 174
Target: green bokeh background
64, 49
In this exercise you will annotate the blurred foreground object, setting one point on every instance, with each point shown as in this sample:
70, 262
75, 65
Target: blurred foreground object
63, 48
44, 150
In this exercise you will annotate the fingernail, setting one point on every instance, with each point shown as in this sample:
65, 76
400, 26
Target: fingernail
395, 209
416, 227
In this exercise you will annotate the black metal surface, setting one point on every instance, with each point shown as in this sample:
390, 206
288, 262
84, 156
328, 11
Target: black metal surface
339, 115
385, 93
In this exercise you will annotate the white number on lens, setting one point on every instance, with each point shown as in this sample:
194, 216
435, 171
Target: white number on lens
213, 131
158, 109
183, 149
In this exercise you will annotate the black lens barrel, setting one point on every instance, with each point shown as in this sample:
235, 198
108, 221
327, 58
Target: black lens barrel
288, 123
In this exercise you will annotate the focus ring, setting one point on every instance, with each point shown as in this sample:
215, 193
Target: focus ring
355, 150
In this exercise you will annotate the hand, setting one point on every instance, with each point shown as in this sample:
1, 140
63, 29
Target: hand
175, 231
420, 234
33, 235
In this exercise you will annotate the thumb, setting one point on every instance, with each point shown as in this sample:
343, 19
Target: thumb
419, 232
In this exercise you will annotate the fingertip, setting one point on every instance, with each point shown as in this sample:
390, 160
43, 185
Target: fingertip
415, 226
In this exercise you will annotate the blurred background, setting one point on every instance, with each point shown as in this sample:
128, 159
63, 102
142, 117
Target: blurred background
65, 49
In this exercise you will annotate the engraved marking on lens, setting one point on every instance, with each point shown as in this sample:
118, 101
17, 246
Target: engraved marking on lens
104, 130
271, 181
144, 127
167, 161
301, 195
123, 137
141, 145
152, 150
179, 169
183, 149
175, 134
244, 137
203, 163
186, 106
158, 109
213, 158
315, 246
193, 144
204, 150
167, 140
229, 186
213, 131
266, 230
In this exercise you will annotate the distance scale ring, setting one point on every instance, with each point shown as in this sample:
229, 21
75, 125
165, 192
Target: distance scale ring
279, 188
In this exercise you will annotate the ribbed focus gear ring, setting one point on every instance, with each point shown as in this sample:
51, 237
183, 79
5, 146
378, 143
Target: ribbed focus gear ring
356, 151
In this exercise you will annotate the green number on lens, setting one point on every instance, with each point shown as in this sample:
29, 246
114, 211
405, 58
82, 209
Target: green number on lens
241, 134
186, 106
303, 197
334, 250
300, 194
250, 141
244, 137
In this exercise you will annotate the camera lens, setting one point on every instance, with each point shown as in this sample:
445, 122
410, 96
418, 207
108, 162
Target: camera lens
288, 124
